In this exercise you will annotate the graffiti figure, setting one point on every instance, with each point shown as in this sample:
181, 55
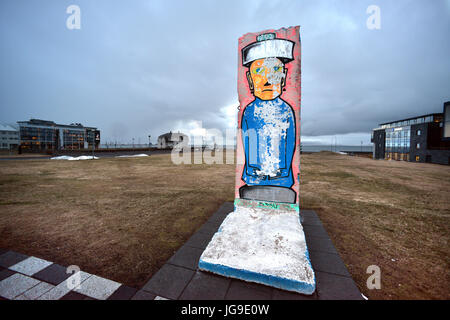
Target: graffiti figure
268, 122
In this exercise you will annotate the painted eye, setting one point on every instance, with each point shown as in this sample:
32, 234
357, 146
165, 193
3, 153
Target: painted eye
277, 68
258, 70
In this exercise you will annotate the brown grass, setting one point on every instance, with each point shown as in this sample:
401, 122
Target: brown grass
123, 218
386, 213
119, 218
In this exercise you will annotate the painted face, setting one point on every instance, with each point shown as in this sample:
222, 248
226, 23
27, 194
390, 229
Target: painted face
267, 76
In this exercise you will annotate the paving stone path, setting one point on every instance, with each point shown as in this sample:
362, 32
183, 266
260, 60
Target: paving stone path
180, 279
30, 278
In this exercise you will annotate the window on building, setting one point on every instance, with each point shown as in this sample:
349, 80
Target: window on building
417, 158
418, 145
418, 132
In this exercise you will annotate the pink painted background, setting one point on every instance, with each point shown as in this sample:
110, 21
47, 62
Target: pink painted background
291, 95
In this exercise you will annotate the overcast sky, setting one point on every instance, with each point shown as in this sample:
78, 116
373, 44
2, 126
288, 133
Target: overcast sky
146, 67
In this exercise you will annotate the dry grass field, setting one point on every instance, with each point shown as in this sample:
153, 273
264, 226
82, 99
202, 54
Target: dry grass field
392, 214
122, 218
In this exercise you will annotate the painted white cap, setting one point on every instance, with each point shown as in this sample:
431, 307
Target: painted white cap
268, 46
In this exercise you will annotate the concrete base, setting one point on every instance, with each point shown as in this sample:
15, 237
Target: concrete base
261, 245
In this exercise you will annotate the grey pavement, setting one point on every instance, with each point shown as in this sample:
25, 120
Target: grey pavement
180, 278
31, 278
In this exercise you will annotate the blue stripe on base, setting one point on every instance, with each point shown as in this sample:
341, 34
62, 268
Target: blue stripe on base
246, 275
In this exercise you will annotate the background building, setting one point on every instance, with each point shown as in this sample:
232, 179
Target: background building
419, 139
9, 137
169, 140
447, 121
41, 135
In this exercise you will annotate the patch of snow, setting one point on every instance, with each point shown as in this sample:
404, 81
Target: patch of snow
61, 158
264, 241
74, 158
134, 155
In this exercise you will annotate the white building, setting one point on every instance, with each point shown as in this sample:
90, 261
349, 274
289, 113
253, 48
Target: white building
9, 137
170, 140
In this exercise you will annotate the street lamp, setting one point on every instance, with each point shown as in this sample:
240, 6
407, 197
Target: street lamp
149, 144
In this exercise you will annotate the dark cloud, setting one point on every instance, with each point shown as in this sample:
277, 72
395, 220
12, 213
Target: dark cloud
145, 67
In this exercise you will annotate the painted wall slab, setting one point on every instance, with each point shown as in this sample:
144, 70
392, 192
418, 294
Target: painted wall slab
268, 139
262, 240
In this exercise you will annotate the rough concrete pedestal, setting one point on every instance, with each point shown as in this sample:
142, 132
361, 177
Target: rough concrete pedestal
262, 245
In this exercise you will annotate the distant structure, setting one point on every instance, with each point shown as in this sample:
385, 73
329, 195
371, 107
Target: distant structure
170, 139
41, 135
420, 139
9, 137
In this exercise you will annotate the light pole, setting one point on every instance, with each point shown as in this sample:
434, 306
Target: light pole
149, 143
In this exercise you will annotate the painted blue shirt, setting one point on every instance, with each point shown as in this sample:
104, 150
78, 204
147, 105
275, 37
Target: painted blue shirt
268, 133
